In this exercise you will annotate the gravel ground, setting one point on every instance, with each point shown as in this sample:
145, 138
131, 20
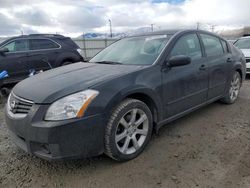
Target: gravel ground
207, 148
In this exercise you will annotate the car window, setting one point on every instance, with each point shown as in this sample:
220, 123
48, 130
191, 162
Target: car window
243, 43
141, 50
212, 45
42, 44
17, 46
187, 45
225, 47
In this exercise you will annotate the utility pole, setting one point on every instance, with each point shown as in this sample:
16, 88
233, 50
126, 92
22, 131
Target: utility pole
110, 28
212, 28
21, 32
152, 27
198, 25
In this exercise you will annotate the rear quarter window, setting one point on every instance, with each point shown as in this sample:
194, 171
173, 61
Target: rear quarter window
69, 43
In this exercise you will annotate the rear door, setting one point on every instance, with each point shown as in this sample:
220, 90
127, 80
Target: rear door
43, 53
15, 61
216, 60
185, 87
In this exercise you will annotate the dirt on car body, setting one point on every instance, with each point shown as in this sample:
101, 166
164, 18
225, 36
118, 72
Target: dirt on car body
207, 148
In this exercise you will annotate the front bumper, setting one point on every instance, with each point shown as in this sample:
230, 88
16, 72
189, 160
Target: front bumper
76, 138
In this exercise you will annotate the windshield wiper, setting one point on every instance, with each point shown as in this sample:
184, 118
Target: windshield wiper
109, 62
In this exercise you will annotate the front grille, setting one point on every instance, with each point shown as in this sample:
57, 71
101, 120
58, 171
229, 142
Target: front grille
248, 69
18, 105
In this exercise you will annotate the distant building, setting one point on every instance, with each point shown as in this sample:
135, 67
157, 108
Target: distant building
236, 33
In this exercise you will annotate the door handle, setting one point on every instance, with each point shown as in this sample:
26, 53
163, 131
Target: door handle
229, 60
203, 67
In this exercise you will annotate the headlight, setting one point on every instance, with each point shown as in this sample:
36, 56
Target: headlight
71, 106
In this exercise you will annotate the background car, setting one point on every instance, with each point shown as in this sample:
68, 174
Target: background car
21, 55
244, 44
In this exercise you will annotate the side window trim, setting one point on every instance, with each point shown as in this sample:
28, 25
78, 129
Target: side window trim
203, 51
226, 51
29, 50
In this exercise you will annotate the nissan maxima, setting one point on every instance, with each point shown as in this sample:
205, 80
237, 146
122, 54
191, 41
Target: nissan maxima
114, 103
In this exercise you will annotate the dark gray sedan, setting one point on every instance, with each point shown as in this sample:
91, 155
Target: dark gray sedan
113, 104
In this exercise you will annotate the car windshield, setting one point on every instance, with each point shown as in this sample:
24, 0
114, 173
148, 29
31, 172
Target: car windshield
134, 50
243, 43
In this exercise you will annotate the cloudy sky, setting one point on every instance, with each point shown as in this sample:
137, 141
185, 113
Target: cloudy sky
74, 17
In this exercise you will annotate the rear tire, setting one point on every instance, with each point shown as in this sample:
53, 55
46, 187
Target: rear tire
233, 89
129, 130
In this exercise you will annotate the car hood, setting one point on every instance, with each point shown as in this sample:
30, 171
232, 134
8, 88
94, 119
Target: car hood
46, 87
246, 52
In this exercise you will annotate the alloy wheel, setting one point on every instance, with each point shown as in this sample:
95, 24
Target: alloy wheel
235, 87
132, 131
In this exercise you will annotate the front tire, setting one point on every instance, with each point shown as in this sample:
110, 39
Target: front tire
233, 89
129, 130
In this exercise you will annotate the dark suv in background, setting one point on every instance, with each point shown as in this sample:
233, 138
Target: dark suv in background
21, 55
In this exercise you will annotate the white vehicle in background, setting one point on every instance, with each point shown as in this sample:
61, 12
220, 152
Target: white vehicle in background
244, 44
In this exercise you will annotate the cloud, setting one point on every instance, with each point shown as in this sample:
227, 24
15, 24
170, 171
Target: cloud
12, 3
33, 17
77, 16
218, 11
82, 18
7, 26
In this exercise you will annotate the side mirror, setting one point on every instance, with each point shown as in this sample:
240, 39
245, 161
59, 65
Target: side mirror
4, 50
179, 60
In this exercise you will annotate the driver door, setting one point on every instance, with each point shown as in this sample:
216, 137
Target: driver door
185, 87
15, 61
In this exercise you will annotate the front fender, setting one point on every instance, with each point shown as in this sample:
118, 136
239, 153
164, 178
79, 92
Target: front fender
125, 92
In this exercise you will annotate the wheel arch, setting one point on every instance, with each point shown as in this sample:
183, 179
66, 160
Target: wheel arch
240, 72
148, 96
148, 101
238, 67
67, 56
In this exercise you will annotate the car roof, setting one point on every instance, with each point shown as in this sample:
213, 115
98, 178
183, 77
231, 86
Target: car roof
50, 36
38, 35
173, 32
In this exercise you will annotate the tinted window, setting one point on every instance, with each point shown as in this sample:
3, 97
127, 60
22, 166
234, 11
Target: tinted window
187, 45
224, 44
41, 44
17, 46
212, 45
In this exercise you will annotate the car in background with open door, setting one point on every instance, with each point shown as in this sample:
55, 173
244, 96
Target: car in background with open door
38, 52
